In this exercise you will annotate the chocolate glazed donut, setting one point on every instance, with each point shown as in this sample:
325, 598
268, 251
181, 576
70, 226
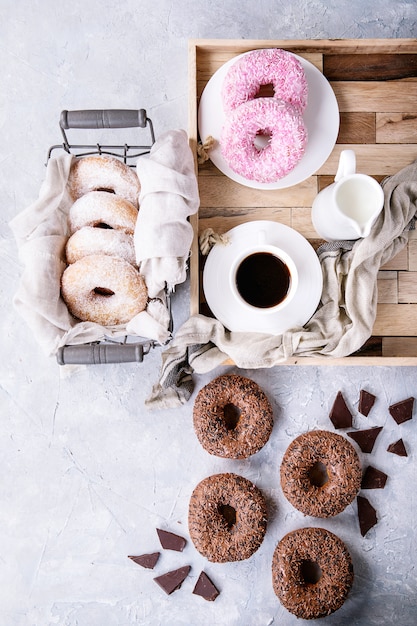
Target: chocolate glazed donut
227, 518
232, 417
312, 572
320, 473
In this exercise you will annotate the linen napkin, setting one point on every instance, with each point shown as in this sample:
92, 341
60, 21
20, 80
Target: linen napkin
41, 232
168, 196
340, 326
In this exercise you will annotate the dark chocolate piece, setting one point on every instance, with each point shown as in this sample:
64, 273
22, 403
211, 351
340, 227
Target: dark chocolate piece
402, 411
205, 588
340, 415
373, 478
398, 447
171, 581
171, 541
365, 438
366, 514
366, 402
146, 560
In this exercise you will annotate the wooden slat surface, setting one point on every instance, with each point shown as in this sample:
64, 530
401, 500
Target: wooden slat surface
369, 67
375, 83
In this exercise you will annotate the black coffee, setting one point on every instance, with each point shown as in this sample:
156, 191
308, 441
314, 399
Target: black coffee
263, 280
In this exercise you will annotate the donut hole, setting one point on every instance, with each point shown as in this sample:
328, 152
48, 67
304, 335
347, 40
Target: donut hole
318, 474
310, 572
228, 513
103, 225
262, 139
265, 91
103, 291
231, 416
106, 189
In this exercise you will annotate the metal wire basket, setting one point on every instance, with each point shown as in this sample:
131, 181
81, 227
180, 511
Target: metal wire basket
128, 349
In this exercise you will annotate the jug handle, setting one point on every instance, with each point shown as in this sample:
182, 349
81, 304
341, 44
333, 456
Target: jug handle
347, 164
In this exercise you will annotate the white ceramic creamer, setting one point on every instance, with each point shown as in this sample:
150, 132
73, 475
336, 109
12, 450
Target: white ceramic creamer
348, 208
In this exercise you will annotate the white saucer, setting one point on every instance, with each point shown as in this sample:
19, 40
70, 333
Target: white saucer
321, 118
230, 312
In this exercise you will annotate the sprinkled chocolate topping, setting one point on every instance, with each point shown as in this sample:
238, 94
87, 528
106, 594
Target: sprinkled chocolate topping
365, 438
227, 518
373, 478
146, 560
312, 572
402, 411
340, 415
320, 473
171, 581
232, 417
205, 588
366, 402
398, 447
366, 514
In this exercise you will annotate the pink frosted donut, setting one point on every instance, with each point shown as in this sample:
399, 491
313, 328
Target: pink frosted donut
90, 240
258, 68
103, 289
100, 173
275, 120
104, 210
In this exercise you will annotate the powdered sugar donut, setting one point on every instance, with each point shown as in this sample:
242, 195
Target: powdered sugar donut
272, 66
99, 173
104, 210
103, 289
90, 240
278, 122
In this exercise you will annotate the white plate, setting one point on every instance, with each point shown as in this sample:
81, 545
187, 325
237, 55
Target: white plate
321, 118
230, 312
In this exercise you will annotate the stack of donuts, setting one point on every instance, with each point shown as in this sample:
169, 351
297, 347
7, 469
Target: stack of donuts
102, 283
264, 135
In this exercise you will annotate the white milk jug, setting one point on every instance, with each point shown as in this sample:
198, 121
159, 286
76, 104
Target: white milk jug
348, 208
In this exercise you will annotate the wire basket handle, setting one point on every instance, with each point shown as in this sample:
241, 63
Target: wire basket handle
103, 118
101, 353
109, 119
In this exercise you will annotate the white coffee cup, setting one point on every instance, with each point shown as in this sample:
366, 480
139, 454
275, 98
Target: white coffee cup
263, 278
349, 207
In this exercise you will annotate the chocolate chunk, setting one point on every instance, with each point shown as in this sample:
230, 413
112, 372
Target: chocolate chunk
366, 402
373, 478
398, 448
205, 588
171, 541
366, 514
402, 411
340, 415
365, 438
146, 560
171, 581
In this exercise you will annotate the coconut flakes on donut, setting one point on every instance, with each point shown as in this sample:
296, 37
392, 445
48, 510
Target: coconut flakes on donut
258, 68
277, 121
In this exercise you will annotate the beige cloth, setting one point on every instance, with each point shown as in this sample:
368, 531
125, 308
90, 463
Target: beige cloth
168, 196
340, 326
41, 233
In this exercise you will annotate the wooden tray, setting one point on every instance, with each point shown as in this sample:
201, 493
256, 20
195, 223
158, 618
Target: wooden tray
375, 83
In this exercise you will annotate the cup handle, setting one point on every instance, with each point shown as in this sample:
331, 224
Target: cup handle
347, 164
